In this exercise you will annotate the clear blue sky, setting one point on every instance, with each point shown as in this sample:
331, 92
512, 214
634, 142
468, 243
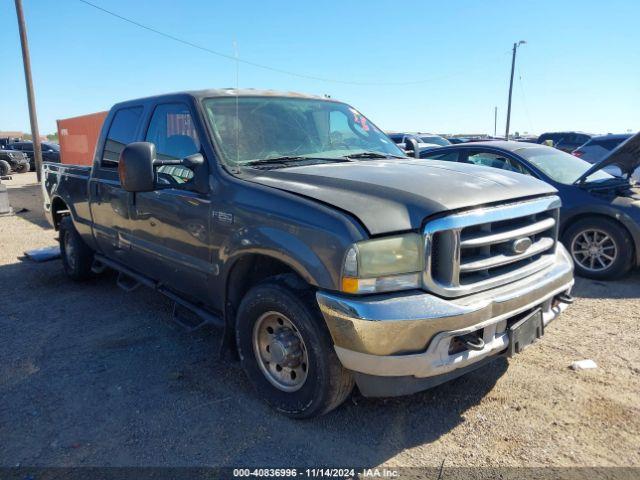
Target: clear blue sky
580, 68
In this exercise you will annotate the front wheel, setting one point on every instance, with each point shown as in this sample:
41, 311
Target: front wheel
601, 248
77, 257
23, 168
5, 168
287, 352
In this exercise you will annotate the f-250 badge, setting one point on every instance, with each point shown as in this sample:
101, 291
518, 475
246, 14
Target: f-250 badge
224, 217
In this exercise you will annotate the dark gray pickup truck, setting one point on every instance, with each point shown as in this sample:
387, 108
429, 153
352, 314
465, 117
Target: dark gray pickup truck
327, 256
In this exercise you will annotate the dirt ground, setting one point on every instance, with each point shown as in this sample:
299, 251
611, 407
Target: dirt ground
91, 375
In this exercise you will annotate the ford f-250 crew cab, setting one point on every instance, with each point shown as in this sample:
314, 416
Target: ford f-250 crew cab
328, 256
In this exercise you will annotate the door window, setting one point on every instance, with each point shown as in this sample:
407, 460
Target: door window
121, 132
173, 132
495, 160
446, 156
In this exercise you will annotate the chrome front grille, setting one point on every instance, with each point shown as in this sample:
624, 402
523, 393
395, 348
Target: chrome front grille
480, 249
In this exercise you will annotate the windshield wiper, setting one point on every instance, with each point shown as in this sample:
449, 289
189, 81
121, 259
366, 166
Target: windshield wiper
288, 160
370, 155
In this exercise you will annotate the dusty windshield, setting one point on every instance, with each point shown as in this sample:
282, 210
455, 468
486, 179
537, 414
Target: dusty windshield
253, 129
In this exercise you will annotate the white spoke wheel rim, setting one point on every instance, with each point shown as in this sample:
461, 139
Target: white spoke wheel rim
280, 351
594, 250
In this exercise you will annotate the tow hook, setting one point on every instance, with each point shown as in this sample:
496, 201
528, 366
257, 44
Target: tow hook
566, 298
472, 341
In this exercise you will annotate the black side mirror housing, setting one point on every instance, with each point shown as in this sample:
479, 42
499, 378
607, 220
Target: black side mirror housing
193, 161
135, 167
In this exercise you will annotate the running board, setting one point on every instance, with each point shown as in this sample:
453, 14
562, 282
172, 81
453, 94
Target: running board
127, 283
129, 280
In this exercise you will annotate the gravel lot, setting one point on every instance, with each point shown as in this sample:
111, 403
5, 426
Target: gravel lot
91, 375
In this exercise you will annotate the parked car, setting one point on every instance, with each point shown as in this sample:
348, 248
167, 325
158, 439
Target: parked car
600, 214
13, 161
599, 147
565, 141
408, 141
50, 151
327, 256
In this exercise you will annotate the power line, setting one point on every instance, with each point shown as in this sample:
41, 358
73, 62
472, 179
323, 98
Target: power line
255, 64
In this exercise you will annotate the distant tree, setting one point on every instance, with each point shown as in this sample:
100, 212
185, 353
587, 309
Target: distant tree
27, 136
53, 137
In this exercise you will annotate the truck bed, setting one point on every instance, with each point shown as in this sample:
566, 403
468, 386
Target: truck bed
70, 182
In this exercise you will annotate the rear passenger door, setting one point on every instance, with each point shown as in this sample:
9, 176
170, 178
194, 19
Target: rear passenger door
109, 202
169, 227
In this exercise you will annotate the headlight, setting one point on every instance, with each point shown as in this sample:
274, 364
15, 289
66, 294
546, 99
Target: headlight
383, 265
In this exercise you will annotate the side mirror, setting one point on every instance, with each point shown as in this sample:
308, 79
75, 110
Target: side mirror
412, 144
193, 161
135, 167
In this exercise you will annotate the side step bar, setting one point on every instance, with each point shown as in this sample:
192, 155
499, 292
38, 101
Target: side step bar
129, 280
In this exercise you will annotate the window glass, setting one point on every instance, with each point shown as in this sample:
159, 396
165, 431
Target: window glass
560, 166
494, 160
608, 144
435, 139
251, 129
173, 133
447, 156
121, 132
583, 138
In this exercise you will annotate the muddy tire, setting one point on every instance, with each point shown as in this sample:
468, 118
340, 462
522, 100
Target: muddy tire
23, 168
286, 350
77, 257
5, 168
601, 248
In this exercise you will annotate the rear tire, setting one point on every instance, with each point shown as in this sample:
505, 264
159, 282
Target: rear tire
5, 168
601, 248
77, 257
298, 335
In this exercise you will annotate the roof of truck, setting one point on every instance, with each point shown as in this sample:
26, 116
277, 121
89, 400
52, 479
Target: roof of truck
249, 92
231, 92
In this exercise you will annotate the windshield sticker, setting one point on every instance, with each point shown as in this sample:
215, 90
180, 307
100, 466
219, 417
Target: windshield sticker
359, 119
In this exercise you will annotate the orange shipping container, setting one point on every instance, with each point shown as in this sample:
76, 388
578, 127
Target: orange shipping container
78, 137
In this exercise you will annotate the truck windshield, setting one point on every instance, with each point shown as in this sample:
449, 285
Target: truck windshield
253, 129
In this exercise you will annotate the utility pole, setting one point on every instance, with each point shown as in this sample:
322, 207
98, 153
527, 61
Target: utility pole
26, 60
495, 121
513, 65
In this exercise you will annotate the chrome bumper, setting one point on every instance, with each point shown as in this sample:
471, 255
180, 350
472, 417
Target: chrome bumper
410, 334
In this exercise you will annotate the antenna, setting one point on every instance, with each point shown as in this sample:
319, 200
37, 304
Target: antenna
235, 54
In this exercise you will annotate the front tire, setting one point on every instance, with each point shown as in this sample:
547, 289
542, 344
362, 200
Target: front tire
5, 168
601, 248
286, 350
77, 257
23, 168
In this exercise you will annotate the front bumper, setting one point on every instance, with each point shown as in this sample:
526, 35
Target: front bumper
407, 337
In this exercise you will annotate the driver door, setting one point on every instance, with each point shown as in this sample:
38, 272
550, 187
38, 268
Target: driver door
170, 226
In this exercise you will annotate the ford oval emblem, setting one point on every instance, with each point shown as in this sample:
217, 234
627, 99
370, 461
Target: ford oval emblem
521, 245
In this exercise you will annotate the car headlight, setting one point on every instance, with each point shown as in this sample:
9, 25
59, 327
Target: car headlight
383, 264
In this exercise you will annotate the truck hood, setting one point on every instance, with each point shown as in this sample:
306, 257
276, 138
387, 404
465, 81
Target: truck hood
625, 156
398, 194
